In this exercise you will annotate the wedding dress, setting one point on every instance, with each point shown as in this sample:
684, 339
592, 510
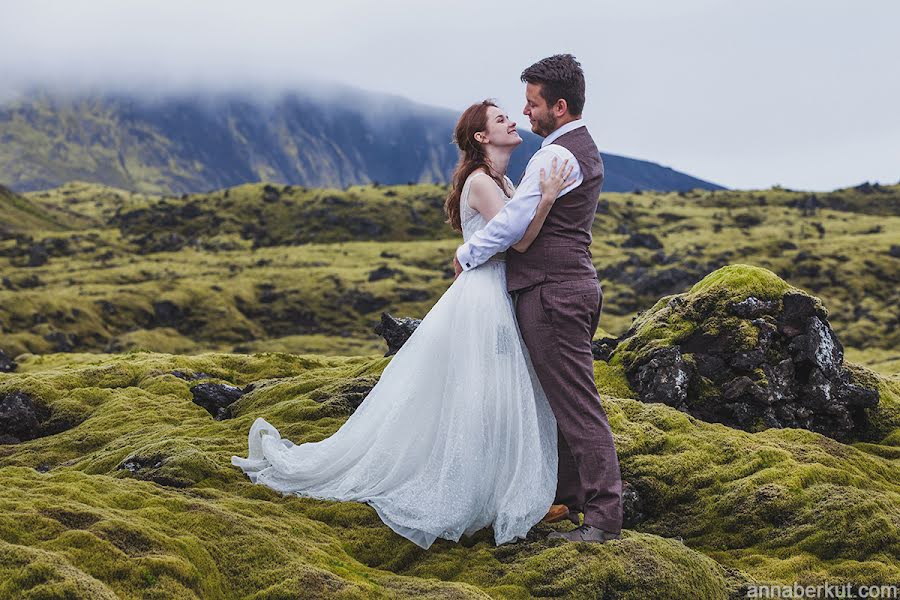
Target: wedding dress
456, 435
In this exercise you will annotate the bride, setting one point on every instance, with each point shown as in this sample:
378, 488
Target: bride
457, 435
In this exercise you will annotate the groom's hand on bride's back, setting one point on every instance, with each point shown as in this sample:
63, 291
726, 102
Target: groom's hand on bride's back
457, 268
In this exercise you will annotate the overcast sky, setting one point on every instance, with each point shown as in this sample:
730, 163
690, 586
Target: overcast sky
744, 93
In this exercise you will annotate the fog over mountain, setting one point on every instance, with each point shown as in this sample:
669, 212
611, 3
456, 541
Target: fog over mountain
323, 136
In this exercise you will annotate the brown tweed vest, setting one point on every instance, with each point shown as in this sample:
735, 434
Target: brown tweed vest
562, 249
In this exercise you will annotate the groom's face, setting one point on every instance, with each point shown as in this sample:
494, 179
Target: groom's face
543, 121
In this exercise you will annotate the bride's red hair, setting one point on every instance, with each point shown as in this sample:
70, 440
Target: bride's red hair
471, 158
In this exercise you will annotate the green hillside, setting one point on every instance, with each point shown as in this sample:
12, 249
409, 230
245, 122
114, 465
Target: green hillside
117, 306
307, 270
19, 215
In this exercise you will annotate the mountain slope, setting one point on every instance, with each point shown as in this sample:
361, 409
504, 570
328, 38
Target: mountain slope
183, 144
19, 214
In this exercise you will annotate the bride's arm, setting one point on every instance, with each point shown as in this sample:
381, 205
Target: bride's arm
550, 188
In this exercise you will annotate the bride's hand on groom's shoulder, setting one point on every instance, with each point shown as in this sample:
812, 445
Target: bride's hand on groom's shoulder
557, 181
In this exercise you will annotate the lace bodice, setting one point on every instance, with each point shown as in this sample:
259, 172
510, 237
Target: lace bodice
471, 219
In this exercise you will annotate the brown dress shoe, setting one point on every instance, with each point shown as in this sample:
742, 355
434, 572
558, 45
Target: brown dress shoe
558, 512
584, 533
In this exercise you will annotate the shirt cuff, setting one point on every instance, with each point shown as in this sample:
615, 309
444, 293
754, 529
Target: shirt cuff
465, 257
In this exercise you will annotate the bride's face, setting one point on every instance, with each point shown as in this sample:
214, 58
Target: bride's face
499, 131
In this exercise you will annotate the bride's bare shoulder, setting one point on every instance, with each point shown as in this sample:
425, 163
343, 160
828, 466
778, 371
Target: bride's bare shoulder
481, 190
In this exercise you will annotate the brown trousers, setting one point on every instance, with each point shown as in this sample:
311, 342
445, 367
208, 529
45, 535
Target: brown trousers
558, 321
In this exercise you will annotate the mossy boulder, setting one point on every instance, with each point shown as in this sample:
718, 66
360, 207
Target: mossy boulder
744, 348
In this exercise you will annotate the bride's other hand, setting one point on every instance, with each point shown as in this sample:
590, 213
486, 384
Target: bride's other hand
557, 181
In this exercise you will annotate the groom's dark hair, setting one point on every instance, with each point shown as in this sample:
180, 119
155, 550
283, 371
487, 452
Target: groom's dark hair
560, 76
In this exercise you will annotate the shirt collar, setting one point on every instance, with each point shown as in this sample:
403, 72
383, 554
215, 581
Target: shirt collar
570, 126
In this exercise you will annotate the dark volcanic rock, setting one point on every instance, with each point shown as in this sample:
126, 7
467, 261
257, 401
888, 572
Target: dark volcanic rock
168, 314
753, 307
395, 331
62, 341
412, 295
216, 398
748, 361
633, 510
160, 241
664, 377
364, 302
642, 240
190, 376
603, 348
7, 364
20, 418
159, 468
383, 272
270, 193
37, 256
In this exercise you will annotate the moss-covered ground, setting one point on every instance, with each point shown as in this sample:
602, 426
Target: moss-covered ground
258, 268
291, 309
724, 508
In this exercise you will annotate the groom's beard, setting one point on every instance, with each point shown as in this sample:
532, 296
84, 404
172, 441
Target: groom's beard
546, 126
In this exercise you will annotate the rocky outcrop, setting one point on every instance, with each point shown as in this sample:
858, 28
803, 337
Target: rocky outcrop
383, 272
216, 398
396, 331
633, 510
642, 240
745, 349
22, 419
7, 364
362, 301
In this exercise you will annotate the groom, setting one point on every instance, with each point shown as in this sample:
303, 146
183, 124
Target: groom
558, 297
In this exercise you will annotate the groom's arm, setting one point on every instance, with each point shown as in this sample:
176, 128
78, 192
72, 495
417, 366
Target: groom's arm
509, 225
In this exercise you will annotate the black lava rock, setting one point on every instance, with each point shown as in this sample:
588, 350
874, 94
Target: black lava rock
167, 313
412, 295
642, 240
364, 302
383, 272
603, 348
395, 331
62, 341
20, 418
633, 510
7, 364
190, 376
667, 375
216, 398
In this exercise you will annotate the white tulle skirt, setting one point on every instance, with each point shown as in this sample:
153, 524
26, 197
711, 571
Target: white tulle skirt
456, 436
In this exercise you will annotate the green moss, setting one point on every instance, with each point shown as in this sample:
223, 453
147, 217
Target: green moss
775, 506
611, 380
740, 281
103, 296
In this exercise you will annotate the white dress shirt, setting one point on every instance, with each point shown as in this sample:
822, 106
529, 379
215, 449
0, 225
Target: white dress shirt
509, 225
